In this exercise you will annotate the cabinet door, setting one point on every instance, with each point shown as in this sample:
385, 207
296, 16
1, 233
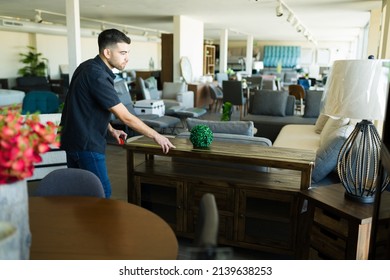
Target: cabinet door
164, 198
268, 219
224, 198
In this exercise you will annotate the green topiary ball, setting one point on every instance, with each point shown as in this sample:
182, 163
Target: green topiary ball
201, 136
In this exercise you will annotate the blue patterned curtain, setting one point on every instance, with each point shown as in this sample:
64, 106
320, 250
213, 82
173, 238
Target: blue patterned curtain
287, 55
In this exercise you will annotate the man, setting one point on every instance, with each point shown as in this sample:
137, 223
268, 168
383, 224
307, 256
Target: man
88, 106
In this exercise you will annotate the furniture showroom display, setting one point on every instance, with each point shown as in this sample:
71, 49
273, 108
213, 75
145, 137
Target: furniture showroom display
90, 228
258, 210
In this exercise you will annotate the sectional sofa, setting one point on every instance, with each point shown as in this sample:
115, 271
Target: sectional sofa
325, 137
271, 110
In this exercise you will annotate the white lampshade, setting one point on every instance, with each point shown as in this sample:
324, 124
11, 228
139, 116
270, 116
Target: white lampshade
357, 89
258, 65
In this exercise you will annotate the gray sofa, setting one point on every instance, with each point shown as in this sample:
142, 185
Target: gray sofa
227, 131
271, 110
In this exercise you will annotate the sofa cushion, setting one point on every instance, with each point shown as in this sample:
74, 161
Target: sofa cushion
327, 153
320, 123
270, 103
171, 89
290, 106
151, 87
312, 104
225, 137
229, 127
298, 136
331, 125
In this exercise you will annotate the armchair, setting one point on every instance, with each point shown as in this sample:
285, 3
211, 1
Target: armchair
177, 94
173, 94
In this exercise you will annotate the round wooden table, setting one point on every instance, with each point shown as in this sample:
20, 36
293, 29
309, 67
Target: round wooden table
75, 228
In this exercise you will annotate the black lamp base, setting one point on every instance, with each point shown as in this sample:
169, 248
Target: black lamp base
359, 199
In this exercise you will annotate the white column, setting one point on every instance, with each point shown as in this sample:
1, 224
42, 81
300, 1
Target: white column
188, 41
74, 37
249, 54
223, 51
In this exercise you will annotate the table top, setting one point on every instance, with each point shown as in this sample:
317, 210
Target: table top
293, 159
76, 228
332, 198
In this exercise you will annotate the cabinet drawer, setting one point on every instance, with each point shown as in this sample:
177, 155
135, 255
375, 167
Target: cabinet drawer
329, 244
332, 222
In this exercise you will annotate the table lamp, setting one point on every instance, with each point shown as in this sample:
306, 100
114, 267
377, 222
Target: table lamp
258, 65
357, 89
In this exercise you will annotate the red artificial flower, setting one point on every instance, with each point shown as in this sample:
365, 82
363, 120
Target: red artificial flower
22, 141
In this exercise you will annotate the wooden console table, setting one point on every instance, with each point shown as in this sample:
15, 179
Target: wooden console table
258, 209
339, 228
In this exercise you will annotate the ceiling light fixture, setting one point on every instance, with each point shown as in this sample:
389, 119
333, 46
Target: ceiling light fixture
293, 20
38, 17
279, 10
290, 17
104, 24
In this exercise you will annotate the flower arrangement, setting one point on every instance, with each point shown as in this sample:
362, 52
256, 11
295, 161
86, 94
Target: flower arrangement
22, 140
201, 136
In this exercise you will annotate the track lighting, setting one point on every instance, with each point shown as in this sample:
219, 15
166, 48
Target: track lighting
279, 10
293, 20
38, 17
290, 17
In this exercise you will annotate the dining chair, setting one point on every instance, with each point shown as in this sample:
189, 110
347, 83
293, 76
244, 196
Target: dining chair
255, 82
304, 82
70, 181
44, 102
217, 97
299, 92
234, 93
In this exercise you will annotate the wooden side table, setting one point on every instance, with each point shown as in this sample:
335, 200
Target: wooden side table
336, 228
202, 97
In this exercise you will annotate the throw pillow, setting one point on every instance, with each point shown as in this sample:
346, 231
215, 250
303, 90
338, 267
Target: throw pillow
228, 127
312, 104
331, 125
320, 123
171, 89
327, 153
270, 103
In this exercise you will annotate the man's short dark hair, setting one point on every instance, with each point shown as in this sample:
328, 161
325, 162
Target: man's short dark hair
111, 37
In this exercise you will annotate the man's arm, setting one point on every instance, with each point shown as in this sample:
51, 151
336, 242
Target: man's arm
121, 112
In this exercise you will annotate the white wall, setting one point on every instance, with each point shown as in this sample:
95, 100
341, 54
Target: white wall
188, 41
54, 48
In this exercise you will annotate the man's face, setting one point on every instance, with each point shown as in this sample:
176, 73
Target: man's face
117, 56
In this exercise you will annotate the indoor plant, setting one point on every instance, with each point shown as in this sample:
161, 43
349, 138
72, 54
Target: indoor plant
22, 141
35, 64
